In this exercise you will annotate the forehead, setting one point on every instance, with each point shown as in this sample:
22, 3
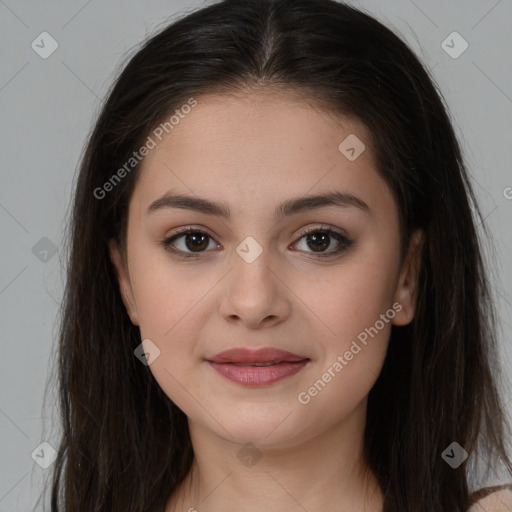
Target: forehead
260, 147
252, 124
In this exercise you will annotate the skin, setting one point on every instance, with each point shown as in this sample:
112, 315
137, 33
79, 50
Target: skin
253, 151
499, 501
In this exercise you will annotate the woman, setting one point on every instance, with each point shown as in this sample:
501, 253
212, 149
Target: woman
276, 294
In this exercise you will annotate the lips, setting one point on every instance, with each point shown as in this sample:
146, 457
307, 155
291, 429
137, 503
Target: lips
255, 368
260, 357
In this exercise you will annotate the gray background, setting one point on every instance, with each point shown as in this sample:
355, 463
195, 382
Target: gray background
47, 109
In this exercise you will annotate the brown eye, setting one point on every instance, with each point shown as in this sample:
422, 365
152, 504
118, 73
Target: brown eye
192, 241
319, 240
196, 241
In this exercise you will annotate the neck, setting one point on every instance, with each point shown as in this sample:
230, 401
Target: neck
326, 472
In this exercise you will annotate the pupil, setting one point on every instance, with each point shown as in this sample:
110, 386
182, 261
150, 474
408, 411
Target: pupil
316, 237
196, 238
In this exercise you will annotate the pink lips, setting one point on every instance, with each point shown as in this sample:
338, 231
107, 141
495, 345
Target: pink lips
260, 367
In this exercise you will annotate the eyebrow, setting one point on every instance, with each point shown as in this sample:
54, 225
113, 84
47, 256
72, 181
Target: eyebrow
288, 207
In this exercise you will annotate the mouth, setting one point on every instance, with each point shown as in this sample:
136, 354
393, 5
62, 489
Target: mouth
254, 368
248, 356
270, 363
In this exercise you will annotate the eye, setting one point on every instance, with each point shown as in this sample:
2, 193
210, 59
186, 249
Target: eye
319, 239
195, 241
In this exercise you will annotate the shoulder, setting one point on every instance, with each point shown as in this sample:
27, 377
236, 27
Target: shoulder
492, 499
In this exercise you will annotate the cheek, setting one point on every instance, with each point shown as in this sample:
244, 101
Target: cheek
356, 304
342, 388
353, 303
349, 297
168, 300
166, 294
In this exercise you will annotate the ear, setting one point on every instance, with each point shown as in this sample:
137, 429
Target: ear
407, 287
123, 279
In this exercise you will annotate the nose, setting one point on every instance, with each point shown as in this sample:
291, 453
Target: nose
255, 295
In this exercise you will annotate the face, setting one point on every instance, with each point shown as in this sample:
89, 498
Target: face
250, 276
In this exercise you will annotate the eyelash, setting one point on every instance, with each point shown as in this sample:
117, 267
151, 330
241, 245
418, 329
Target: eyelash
344, 242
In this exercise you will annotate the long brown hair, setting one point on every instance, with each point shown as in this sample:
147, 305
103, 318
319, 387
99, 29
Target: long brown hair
125, 446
